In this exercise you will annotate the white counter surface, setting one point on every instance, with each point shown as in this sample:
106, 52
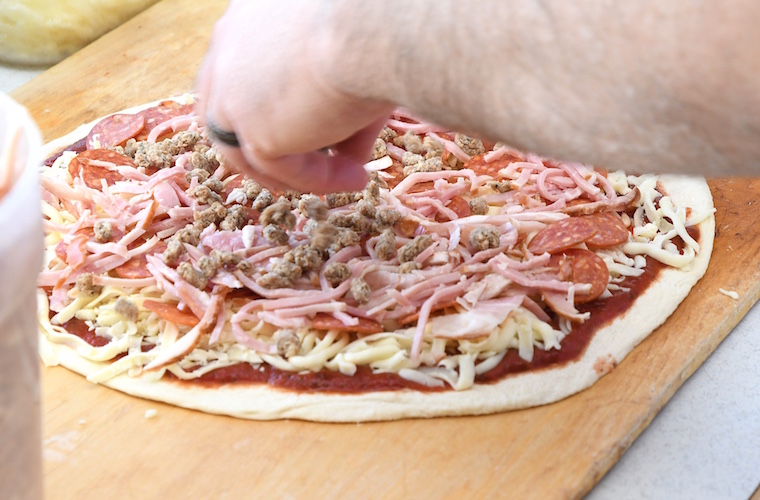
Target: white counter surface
705, 443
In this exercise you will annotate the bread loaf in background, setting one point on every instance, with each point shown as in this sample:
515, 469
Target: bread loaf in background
42, 32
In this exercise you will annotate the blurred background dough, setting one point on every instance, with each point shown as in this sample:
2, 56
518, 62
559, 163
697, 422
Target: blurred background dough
42, 32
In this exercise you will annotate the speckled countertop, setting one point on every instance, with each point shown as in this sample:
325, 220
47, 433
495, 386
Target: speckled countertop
705, 443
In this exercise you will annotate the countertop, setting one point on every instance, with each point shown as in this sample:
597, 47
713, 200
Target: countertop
705, 443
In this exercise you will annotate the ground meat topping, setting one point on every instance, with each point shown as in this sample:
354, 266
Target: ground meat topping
212, 215
235, 219
312, 207
336, 200
214, 184
379, 149
127, 308
371, 191
386, 245
409, 141
152, 155
336, 273
192, 275
433, 164
279, 214
469, 145
201, 174
263, 200
272, 280
275, 234
245, 267
251, 188
412, 249
483, 238
174, 250
388, 134
103, 231
478, 206
200, 161
189, 234
86, 285
286, 269
499, 186
432, 147
205, 195
324, 235
307, 257
408, 267
288, 343
344, 238
360, 290
366, 209
410, 159
208, 266
225, 258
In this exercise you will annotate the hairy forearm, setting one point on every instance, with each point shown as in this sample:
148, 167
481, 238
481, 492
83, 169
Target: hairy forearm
667, 85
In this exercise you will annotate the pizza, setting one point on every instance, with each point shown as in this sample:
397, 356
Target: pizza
466, 278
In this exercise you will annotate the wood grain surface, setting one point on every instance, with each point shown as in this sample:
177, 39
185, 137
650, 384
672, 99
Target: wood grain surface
98, 443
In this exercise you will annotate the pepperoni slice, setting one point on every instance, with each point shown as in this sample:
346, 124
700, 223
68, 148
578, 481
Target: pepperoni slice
459, 206
610, 230
77, 147
324, 321
91, 174
436, 307
562, 235
116, 130
165, 110
480, 166
171, 313
582, 266
137, 267
406, 227
396, 170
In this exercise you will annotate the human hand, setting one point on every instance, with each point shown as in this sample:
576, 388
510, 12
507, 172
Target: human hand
267, 78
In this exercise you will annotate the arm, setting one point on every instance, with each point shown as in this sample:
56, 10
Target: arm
653, 86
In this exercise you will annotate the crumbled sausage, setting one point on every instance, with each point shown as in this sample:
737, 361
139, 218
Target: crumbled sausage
379, 149
214, 184
354, 220
263, 200
408, 267
469, 145
86, 285
174, 250
371, 191
208, 266
386, 244
275, 234
205, 195
103, 231
271, 280
433, 164
192, 275
152, 155
412, 249
251, 188
483, 238
432, 147
336, 273
335, 200
279, 214
286, 269
387, 134
409, 159
288, 343
245, 267
127, 308
201, 174
499, 186
323, 236
409, 141
387, 216
307, 257
225, 258
344, 238
235, 219
200, 161
366, 208
212, 215
189, 234
312, 207
478, 206
183, 141
360, 290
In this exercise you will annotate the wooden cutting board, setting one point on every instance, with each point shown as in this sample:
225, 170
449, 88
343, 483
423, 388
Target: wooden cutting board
99, 444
